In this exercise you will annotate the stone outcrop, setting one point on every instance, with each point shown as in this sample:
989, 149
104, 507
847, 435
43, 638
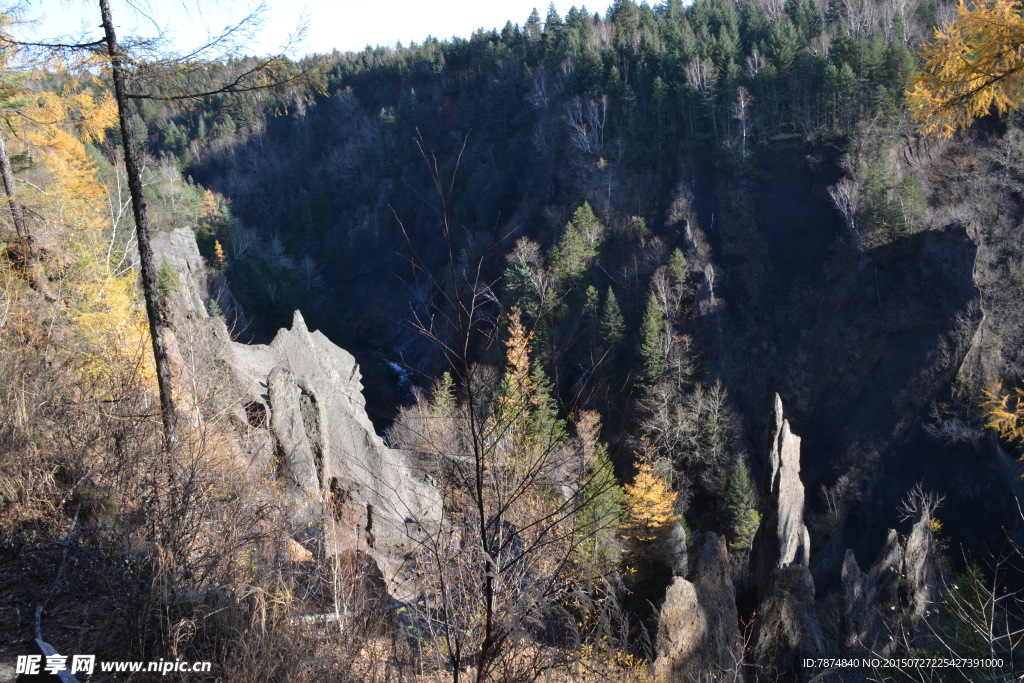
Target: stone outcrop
344, 483
300, 401
782, 540
698, 631
675, 550
788, 629
202, 288
705, 301
853, 616
888, 604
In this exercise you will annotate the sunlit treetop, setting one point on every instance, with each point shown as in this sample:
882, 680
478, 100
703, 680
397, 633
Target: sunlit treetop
974, 65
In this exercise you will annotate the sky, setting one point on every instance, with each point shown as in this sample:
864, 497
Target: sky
333, 24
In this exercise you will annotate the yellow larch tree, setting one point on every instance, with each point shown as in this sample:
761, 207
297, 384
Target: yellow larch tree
650, 502
1004, 412
71, 206
973, 65
516, 394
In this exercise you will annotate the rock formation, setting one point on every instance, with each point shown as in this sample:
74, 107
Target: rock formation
698, 630
853, 597
344, 483
301, 396
705, 299
782, 539
787, 629
201, 287
675, 550
888, 604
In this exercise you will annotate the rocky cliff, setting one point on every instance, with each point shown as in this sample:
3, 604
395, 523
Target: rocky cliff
299, 407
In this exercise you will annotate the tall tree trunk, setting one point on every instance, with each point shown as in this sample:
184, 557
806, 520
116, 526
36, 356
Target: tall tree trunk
33, 268
157, 319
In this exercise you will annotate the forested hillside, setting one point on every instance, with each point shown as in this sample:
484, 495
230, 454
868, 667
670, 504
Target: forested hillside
665, 319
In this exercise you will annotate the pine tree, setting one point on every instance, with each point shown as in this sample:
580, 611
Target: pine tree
677, 270
591, 300
740, 505
577, 248
600, 514
613, 328
442, 396
651, 351
546, 430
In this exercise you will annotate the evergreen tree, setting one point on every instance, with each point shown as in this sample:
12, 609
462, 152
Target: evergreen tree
442, 396
740, 505
651, 350
577, 248
600, 515
613, 327
677, 270
591, 301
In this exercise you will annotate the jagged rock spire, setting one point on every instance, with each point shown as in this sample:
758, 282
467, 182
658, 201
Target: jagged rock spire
782, 539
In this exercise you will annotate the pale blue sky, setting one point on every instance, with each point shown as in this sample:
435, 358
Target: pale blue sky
342, 24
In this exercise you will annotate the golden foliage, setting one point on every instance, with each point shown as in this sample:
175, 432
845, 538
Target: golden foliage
219, 258
650, 503
517, 357
1005, 412
70, 202
512, 418
974, 64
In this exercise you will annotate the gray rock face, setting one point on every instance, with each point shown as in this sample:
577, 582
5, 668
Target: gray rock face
200, 285
698, 633
887, 605
788, 629
342, 480
853, 615
675, 549
917, 580
346, 490
782, 540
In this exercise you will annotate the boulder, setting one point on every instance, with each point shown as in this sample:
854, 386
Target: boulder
698, 628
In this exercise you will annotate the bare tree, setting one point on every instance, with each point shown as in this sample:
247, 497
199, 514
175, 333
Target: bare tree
744, 102
846, 196
586, 119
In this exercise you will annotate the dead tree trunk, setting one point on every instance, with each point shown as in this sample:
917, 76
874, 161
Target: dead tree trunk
154, 311
33, 268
